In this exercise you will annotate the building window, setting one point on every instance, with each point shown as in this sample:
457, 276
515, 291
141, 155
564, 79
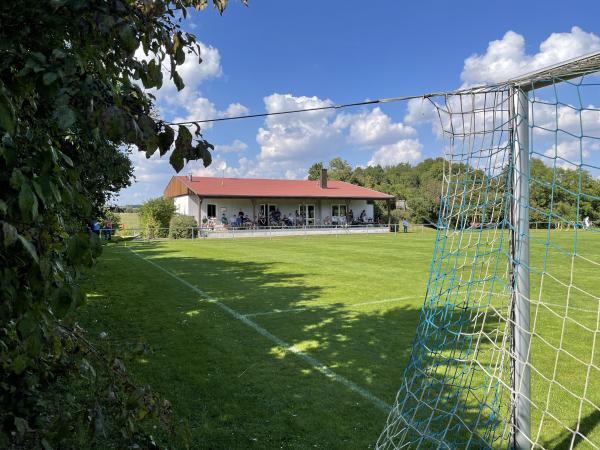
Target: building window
338, 210
211, 210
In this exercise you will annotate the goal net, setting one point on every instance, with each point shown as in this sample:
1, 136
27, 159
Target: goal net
507, 350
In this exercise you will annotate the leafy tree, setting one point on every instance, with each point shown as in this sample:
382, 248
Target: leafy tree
314, 171
551, 190
339, 169
71, 108
155, 216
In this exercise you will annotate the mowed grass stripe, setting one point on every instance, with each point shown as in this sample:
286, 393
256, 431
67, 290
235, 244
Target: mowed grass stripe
350, 306
366, 344
315, 364
294, 272
235, 388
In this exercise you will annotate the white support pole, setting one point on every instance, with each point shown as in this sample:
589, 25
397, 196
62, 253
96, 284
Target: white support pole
520, 269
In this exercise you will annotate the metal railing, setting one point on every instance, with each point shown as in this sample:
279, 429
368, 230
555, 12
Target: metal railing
252, 231
282, 230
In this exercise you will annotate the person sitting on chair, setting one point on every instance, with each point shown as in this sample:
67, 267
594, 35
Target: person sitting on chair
224, 220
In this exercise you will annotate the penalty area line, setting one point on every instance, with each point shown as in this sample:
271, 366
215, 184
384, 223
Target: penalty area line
314, 363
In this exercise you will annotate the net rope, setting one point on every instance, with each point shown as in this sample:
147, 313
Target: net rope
458, 389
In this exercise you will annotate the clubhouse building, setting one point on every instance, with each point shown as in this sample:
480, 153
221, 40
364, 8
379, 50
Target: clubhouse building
318, 202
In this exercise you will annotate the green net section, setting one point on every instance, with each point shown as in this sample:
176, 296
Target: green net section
458, 390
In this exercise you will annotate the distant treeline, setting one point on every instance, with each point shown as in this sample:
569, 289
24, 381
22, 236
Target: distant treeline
556, 194
125, 208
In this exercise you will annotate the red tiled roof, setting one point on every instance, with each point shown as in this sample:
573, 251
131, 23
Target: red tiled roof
252, 187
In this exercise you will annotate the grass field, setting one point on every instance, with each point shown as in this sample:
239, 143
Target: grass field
130, 220
285, 343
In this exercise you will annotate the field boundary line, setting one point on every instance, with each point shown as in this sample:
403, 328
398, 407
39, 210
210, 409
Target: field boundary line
316, 308
316, 364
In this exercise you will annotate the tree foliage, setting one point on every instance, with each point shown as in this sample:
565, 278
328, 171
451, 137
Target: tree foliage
155, 216
181, 226
71, 109
553, 191
314, 171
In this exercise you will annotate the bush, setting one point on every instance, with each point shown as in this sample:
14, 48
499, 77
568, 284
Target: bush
155, 216
180, 227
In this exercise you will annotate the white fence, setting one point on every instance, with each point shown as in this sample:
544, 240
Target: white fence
268, 232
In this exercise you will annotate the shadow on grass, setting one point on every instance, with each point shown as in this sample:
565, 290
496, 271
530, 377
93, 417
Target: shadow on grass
203, 352
370, 346
586, 426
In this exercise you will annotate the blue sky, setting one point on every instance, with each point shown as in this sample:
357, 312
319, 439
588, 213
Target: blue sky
276, 55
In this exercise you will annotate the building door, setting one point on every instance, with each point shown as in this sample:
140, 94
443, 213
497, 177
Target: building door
266, 211
308, 212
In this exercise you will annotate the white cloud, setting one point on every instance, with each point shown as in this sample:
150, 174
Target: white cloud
572, 152
236, 146
289, 144
292, 139
404, 151
192, 72
201, 108
149, 170
373, 127
420, 110
568, 118
506, 58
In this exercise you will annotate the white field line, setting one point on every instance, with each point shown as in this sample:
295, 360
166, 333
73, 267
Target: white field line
316, 308
317, 365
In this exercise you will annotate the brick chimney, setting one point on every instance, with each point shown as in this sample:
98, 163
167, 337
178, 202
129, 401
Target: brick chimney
323, 178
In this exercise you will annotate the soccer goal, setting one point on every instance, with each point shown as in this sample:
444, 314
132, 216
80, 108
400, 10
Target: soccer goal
507, 350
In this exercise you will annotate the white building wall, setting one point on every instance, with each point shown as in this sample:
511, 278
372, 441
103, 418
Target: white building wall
190, 205
187, 205
355, 205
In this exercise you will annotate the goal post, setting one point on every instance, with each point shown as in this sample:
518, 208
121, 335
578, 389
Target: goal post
507, 350
520, 310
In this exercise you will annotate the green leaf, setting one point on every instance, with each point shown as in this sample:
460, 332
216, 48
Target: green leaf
179, 56
184, 138
128, 38
66, 159
28, 202
165, 140
21, 425
220, 5
29, 247
78, 249
10, 234
49, 78
203, 151
176, 160
61, 302
7, 112
179, 84
27, 325
155, 74
65, 116
183, 146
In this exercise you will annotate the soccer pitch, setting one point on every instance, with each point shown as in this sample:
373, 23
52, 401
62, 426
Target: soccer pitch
288, 342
